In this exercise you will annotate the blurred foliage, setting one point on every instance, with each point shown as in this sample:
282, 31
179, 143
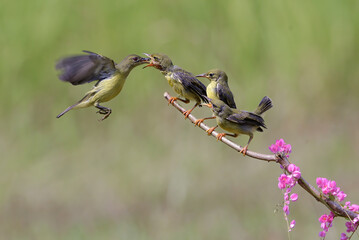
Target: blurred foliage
146, 173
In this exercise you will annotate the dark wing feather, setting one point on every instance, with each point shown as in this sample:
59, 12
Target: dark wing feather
191, 83
82, 69
247, 118
226, 96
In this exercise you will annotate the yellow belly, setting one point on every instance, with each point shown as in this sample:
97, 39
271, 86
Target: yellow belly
105, 90
180, 90
211, 90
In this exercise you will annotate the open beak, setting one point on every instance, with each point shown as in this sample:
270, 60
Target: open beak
149, 61
145, 60
150, 65
202, 75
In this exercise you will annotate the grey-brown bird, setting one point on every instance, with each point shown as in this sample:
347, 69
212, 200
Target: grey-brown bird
182, 82
110, 77
238, 121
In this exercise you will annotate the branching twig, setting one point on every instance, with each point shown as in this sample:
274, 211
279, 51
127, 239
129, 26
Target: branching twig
333, 206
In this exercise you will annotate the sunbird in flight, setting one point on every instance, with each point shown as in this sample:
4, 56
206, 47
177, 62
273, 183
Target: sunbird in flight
110, 77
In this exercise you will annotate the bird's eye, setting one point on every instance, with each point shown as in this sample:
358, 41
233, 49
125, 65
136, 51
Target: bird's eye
211, 74
135, 59
156, 59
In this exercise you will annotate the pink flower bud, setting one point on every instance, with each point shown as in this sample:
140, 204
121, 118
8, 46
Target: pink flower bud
286, 209
294, 197
292, 224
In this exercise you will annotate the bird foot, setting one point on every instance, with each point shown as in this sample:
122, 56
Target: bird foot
244, 150
220, 136
171, 100
209, 131
198, 122
187, 113
108, 113
102, 112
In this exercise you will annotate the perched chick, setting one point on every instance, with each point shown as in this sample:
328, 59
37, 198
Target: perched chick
181, 81
238, 121
218, 87
110, 77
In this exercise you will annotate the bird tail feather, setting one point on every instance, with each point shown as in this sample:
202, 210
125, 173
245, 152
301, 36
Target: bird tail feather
264, 106
67, 109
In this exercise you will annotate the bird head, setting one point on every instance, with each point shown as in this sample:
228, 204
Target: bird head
131, 61
159, 61
214, 75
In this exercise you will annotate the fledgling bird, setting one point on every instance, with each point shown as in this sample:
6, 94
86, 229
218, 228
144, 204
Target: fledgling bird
237, 121
218, 87
110, 77
185, 84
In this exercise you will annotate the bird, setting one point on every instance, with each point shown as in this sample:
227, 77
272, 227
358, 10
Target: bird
110, 77
238, 121
184, 83
218, 87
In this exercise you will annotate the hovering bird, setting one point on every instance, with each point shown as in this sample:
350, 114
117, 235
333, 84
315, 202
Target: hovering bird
182, 82
218, 87
110, 77
238, 121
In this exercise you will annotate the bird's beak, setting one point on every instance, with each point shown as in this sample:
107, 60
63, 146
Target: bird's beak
148, 55
202, 75
145, 60
150, 65
149, 60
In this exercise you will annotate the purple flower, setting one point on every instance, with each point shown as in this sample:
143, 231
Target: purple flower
354, 208
291, 225
321, 182
282, 181
350, 227
326, 223
329, 188
297, 174
291, 168
286, 209
341, 196
343, 236
294, 197
281, 146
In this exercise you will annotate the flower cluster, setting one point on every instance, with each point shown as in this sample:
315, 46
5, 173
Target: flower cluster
352, 226
329, 189
326, 221
281, 146
286, 183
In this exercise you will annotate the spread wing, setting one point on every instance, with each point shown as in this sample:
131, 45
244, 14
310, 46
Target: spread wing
191, 83
82, 69
226, 96
247, 118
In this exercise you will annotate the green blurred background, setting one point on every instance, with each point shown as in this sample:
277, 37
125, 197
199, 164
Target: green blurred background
146, 173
